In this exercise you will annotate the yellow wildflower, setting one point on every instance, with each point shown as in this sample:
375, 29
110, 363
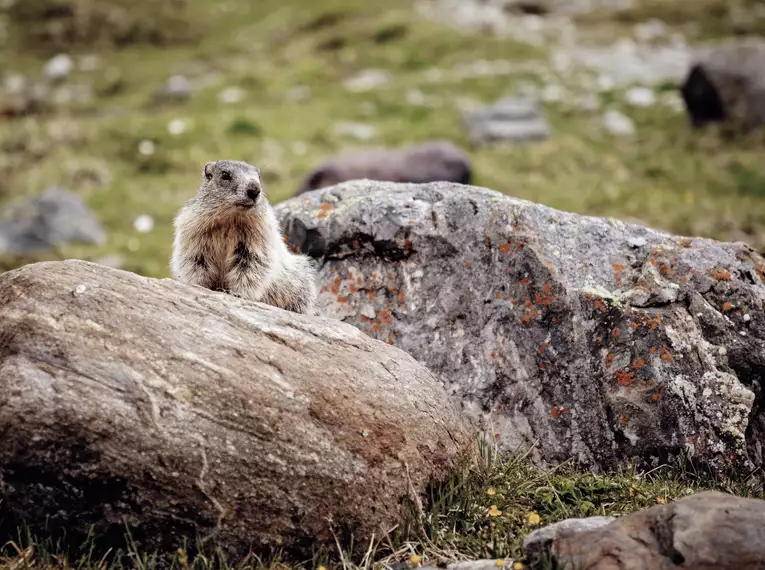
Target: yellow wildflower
494, 511
518, 566
534, 518
322, 568
661, 500
491, 492
415, 559
499, 562
632, 491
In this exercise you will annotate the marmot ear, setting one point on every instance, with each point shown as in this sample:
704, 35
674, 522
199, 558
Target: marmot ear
209, 170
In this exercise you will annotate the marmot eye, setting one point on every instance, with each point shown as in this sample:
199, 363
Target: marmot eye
225, 175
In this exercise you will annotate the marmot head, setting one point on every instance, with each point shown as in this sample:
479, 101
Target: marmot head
231, 184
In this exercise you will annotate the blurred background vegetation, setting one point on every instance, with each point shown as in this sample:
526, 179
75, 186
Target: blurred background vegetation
156, 89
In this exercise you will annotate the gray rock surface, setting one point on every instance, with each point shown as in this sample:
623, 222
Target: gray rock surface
536, 545
726, 83
53, 218
709, 530
597, 340
429, 161
184, 411
510, 119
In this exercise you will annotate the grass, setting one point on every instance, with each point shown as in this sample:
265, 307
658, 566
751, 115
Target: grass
483, 510
668, 176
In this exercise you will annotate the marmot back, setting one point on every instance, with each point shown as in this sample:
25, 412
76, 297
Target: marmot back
227, 238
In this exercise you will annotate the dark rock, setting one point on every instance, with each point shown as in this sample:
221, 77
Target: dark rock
552, 326
53, 218
427, 162
509, 119
707, 530
185, 412
726, 83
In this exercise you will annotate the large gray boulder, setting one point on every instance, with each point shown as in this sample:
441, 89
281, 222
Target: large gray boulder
186, 412
591, 338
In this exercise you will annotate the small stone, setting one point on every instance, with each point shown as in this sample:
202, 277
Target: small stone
143, 223
619, 124
358, 131
367, 80
298, 93
177, 127
59, 67
146, 147
636, 242
231, 95
176, 87
80, 289
640, 97
747, 318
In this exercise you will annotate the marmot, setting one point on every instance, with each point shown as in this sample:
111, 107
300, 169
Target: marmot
227, 238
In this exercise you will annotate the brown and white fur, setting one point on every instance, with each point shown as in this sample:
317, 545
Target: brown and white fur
227, 238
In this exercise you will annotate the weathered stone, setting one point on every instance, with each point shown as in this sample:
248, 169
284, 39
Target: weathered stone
512, 120
726, 83
710, 530
537, 544
53, 218
183, 411
551, 326
436, 160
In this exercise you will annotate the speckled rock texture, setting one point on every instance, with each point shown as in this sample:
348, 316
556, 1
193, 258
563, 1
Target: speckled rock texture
591, 338
189, 412
710, 530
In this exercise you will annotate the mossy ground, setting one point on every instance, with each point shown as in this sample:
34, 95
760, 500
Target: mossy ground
482, 511
668, 176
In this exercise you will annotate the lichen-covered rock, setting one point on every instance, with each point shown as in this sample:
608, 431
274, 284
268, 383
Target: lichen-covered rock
592, 338
709, 530
183, 411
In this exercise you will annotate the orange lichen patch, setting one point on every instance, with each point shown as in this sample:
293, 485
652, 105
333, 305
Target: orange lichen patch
653, 349
623, 420
401, 297
599, 340
638, 363
616, 332
600, 306
727, 306
526, 319
664, 353
587, 296
634, 326
335, 290
324, 210
617, 267
524, 281
720, 274
468, 264
558, 412
666, 270
386, 317
497, 295
653, 261
364, 319
504, 248
625, 377
493, 355
343, 299
337, 280
609, 359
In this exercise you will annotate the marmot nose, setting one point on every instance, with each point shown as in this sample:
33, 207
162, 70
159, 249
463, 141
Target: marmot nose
253, 191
